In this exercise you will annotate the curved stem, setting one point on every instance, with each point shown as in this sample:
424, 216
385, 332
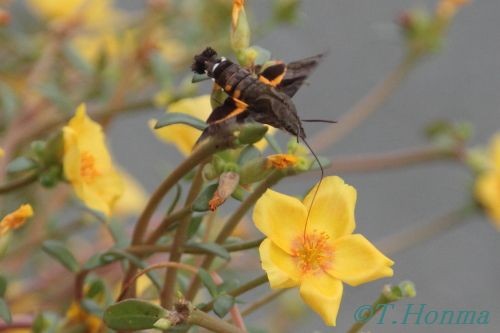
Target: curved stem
150, 249
231, 223
366, 106
18, 183
263, 301
167, 292
240, 290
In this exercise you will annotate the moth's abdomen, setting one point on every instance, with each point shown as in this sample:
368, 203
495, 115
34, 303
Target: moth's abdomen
234, 79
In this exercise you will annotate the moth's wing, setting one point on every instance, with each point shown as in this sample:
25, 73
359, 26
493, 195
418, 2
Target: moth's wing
230, 111
297, 72
273, 75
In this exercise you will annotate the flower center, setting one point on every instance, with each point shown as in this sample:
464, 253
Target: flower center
88, 169
313, 252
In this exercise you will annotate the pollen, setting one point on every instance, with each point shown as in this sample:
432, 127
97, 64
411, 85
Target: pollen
313, 252
88, 169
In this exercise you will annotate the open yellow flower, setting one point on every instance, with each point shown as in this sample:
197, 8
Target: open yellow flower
487, 186
319, 256
87, 163
15, 219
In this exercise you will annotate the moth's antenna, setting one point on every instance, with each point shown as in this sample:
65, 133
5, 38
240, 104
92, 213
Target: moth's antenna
319, 183
319, 121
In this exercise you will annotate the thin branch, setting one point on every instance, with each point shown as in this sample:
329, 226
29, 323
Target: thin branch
231, 223
18, 183
263, 301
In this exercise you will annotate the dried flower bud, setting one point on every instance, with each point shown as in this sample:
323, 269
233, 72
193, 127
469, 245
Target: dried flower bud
228, 181
281, 161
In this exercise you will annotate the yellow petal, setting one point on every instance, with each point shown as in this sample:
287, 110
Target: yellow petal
15, 219
323, 294
333, 207
2, 152
87, 163
281, 218
278, 278
495, 151
358, 261
487, 191
134, 196
183, 136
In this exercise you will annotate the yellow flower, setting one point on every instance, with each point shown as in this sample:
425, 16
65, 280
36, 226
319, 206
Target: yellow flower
87, 163
2, 152
77, 315
318, 256
15, 219
487, 188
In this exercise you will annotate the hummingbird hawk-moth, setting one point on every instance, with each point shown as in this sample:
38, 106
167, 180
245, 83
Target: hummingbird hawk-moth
264, 96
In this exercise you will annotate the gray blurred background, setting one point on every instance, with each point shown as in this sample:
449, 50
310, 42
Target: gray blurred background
457, 270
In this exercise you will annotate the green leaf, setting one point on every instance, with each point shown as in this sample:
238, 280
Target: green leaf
223, 303
46, 322
5, 312
99, 260
201, 202
228, 284
133, 314
194, 225
212, 248
60, 252
8, 101
208, 282
96, 288
92, 307
22, 164
171, 118
3, 285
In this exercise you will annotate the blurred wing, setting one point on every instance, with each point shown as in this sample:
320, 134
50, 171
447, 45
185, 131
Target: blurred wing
296, 73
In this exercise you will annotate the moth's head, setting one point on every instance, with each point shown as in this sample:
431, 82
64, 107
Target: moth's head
204, 61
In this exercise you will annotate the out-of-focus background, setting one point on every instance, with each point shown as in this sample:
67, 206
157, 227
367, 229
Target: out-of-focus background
454, 271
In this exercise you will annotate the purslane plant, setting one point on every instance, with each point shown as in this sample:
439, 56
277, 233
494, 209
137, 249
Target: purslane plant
118, 62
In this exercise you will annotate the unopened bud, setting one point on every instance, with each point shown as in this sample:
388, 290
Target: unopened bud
228, 181
406, 289
240, 30
251, 133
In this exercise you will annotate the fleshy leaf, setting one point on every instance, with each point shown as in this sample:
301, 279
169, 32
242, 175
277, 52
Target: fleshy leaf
133, 314
213, 248
60, 252
223, 303
171, 118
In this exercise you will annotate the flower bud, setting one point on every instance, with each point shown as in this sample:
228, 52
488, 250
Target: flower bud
228, 181
251, 133
240, 30
406, 289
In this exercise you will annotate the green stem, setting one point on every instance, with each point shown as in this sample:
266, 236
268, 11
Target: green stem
150, 249
211, 323
231, 223
263, 301
260, 280
167, 293
18, 183
375, 308
164, 225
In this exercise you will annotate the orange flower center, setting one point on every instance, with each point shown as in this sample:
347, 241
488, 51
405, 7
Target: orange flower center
88, 169
313, 253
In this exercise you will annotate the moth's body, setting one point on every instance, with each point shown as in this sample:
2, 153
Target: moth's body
264, 103
264, 96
